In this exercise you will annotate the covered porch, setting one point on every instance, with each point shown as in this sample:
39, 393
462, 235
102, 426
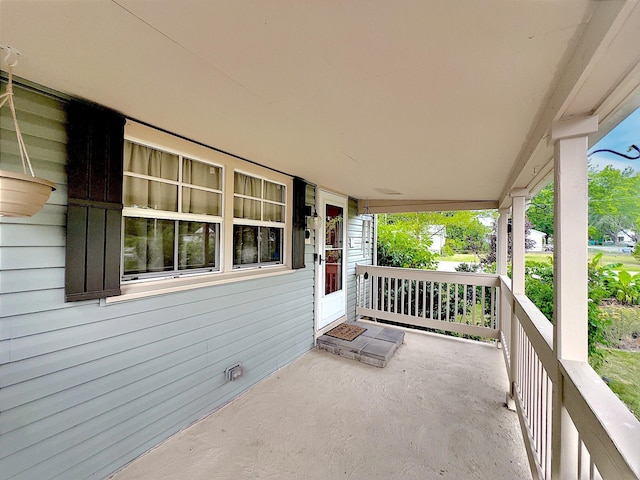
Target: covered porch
398, 106
435, 411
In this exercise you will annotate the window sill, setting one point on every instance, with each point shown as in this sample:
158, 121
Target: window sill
135, 291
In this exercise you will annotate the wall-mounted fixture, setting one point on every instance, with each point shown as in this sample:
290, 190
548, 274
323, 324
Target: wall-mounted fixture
234, 372
312, 222
21, 194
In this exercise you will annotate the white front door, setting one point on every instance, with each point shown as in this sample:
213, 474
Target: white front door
332, 258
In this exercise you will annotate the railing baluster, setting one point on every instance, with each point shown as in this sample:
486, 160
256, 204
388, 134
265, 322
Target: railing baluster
374, 289
431, 296
455, 309
446, 296
474, 303
464, 304
424, 299
387, 300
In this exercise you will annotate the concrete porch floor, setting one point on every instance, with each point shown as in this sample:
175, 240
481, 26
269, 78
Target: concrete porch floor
435, 412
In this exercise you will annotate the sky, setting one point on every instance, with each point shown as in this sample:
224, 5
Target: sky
619, 139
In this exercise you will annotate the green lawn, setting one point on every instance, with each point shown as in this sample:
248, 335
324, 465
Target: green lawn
460, 257
622, 324
622, 368
628, 262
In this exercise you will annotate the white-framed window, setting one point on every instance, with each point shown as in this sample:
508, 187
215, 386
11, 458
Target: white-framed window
259, 212
172, 213
193, 215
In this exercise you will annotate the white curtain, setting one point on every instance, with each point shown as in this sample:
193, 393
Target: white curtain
251, 187
144, 193
199, 201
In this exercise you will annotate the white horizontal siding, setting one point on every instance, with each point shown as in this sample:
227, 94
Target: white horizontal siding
85, 388
355, 256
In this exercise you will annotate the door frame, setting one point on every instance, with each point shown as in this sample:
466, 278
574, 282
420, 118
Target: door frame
342, 201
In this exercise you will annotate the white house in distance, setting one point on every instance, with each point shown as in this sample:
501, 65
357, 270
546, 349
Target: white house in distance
438, 236
538, 239
626, 236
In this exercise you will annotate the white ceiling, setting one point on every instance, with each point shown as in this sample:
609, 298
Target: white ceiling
433, 100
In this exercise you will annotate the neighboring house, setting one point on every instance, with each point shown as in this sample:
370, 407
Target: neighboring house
217, 167
626, 237
438, 236
538, 240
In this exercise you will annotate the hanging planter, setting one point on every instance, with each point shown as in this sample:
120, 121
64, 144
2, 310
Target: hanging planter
21, 194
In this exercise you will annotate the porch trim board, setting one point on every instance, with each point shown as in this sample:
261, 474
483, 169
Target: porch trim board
404, 206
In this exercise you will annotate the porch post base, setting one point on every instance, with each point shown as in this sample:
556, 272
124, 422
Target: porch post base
509, 402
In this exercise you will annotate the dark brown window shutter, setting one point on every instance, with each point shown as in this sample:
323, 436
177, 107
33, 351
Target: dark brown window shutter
95, 139
299, 222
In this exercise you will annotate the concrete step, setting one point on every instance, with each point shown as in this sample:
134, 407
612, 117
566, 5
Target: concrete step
375, 346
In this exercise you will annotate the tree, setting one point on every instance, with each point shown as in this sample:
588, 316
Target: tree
403, 236
540, 211
491, 256
614, 203
399, 246
465, 231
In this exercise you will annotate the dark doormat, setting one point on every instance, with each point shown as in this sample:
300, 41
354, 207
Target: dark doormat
344, 331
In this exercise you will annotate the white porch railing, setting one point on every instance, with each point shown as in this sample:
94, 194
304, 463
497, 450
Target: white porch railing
600, 438
454, 302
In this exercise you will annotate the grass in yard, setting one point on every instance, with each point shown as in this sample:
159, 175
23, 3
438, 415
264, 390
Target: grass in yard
460, 257
541, 257
629, 263
623, 325
623, 370
471, 258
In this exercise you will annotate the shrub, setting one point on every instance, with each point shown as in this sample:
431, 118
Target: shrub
627, 290
468, 267
539, 286
539, 289
400, 249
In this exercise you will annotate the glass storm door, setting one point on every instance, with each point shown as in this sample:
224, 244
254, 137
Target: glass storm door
331, 258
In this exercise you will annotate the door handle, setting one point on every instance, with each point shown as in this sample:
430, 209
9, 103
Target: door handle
319, 259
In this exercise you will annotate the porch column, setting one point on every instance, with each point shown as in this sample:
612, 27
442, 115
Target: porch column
502, 242
518, 207
570, 276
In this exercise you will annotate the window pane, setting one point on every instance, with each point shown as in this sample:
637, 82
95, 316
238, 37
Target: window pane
273, 212
270, 244
148, 245
334, 226
245, 208
332, 271
246, 185
202, 174
148, 161
196, 245
273, 191
245, 245
200, 202
141, 193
